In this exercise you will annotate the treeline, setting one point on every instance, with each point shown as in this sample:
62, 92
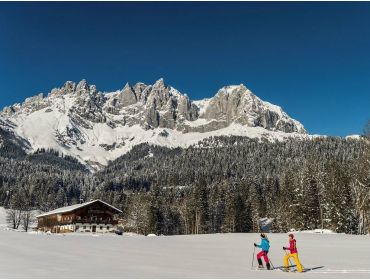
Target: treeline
223, 184
219, 158
300, 184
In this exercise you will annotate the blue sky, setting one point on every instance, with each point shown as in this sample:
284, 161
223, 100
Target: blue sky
311, 58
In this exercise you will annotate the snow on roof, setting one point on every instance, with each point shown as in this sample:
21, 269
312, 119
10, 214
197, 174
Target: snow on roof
74, 207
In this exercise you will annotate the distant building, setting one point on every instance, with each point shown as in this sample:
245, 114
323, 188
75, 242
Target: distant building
93, 216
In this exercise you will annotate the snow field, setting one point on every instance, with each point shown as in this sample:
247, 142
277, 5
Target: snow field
199, 256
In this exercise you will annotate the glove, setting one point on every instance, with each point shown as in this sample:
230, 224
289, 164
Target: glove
284, 248
255, 245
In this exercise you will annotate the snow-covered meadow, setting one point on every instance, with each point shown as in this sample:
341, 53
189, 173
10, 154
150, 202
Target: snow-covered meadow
27, 255
32, 255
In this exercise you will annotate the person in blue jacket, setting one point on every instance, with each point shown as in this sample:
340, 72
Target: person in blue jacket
265, 246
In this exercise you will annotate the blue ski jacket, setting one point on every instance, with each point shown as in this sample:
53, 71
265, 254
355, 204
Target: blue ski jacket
265, 245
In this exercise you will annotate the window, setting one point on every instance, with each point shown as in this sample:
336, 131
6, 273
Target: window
107, 227
84, 227
101, 228
77, 227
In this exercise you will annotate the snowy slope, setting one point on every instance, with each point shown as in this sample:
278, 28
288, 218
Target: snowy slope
201, 256
202, 105
354, 136
78, 120
3, 224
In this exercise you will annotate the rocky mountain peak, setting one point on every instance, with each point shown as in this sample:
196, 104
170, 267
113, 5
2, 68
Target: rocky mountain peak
82, 87
234, 89
127, 86
127, 96
69, 86
237, 104
159, 83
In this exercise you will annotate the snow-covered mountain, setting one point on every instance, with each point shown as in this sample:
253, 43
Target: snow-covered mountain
96, 127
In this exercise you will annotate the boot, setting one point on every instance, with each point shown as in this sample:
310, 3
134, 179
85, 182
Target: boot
260, 265
268, 266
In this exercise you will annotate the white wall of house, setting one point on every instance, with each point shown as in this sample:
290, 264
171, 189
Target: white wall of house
100, 228
66, 227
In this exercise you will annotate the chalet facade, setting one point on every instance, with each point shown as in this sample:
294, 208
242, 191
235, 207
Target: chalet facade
93, 216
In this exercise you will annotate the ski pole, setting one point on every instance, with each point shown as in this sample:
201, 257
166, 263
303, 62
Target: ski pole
254, 251
271, 262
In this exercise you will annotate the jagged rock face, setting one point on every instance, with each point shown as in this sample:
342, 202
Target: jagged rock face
88, 107
96, 126
186, 109
31, 104
239, 105
68, 88
160, 105
151, 106
125, 97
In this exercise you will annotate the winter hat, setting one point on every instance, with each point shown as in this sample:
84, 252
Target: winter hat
291, 235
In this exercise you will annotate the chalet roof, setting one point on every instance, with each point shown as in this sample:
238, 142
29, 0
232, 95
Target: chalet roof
74, 207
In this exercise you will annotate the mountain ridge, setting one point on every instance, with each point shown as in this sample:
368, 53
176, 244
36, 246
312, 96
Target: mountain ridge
95, 127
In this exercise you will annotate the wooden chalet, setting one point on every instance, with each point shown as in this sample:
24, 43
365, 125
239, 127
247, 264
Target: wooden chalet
93, 216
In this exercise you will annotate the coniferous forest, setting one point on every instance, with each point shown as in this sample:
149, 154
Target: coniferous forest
222, 184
